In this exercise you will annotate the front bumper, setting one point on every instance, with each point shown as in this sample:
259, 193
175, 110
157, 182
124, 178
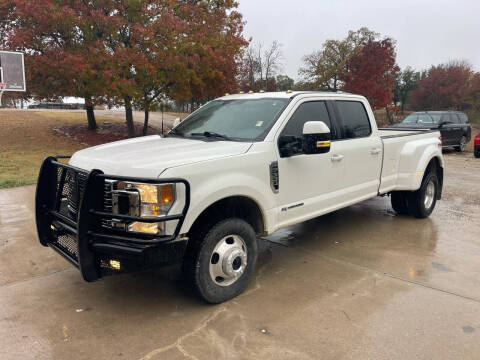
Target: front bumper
82, 238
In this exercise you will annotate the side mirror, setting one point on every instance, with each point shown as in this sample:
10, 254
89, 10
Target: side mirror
316, 138
176, 122
288, 145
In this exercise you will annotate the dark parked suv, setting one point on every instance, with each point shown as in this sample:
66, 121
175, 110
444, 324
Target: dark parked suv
453, 125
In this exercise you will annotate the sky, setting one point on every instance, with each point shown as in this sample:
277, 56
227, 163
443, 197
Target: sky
427, 32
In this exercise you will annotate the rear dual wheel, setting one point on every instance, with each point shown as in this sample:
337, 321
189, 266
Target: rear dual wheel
418, 203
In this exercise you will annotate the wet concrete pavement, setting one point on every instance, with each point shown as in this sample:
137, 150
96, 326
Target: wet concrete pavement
361, 283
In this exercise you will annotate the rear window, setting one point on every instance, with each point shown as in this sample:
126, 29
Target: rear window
355, 119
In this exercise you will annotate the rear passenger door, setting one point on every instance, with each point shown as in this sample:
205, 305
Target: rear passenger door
446, 129
362, 150
450, 130
457, 132
466, 130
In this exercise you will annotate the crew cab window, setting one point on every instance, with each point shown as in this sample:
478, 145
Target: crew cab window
355, 119
309, 111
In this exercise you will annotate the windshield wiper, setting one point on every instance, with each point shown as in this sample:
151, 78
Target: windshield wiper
211, 134
175, 132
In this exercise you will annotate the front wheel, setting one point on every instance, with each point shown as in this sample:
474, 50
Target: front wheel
463, 145
220, 265
422, 202
477, 151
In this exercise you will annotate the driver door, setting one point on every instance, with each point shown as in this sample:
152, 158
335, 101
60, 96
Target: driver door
309, 184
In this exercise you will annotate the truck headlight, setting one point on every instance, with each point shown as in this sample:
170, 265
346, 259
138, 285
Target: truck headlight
155, 200
144, 200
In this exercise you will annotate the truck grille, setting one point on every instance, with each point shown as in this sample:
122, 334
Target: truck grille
71, 185
68, 243
76, 188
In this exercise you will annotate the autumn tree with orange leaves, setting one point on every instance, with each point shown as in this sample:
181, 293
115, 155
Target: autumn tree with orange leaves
371, 72
445, 86
130, 52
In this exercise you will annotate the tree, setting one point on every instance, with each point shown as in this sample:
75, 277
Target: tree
405, 82
127, 52
371, 72
216, 55
250, 67
445, 86
284, 83
272, 58
260, 66
473, 92
325, 67
63, 46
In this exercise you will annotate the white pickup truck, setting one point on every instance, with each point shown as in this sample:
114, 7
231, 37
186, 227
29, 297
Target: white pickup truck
240, 167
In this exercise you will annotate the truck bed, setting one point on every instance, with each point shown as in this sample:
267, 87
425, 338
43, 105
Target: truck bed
402, 149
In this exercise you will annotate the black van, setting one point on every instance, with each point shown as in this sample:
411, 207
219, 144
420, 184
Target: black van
453, 125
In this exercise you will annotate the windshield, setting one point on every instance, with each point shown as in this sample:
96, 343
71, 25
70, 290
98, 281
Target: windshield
410, 119
233, 119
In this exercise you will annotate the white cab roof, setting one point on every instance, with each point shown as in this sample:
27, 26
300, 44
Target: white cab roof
287, 95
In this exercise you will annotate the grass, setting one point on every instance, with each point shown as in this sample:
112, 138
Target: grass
27, 137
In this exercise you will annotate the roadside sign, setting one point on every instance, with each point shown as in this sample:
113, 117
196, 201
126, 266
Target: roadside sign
12, 70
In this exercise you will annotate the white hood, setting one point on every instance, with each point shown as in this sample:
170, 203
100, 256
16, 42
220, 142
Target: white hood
149, 156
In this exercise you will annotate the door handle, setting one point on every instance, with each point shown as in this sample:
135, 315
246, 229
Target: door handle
337, 157
375, 151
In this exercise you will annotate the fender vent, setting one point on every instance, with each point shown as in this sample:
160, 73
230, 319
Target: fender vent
274, 176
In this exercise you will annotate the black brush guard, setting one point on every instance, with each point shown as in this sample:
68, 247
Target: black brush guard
81, 238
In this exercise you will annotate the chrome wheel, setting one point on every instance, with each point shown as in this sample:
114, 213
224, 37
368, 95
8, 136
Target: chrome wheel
429, 195
228, 260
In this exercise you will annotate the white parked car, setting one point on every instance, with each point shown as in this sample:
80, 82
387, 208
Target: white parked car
240, 167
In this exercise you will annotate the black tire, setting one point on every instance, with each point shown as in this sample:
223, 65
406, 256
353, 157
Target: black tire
416, 199
196, 264
477, 152
399, 202
462, 145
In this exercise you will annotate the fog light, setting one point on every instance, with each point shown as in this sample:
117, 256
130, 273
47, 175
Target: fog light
146, 228
114, 264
